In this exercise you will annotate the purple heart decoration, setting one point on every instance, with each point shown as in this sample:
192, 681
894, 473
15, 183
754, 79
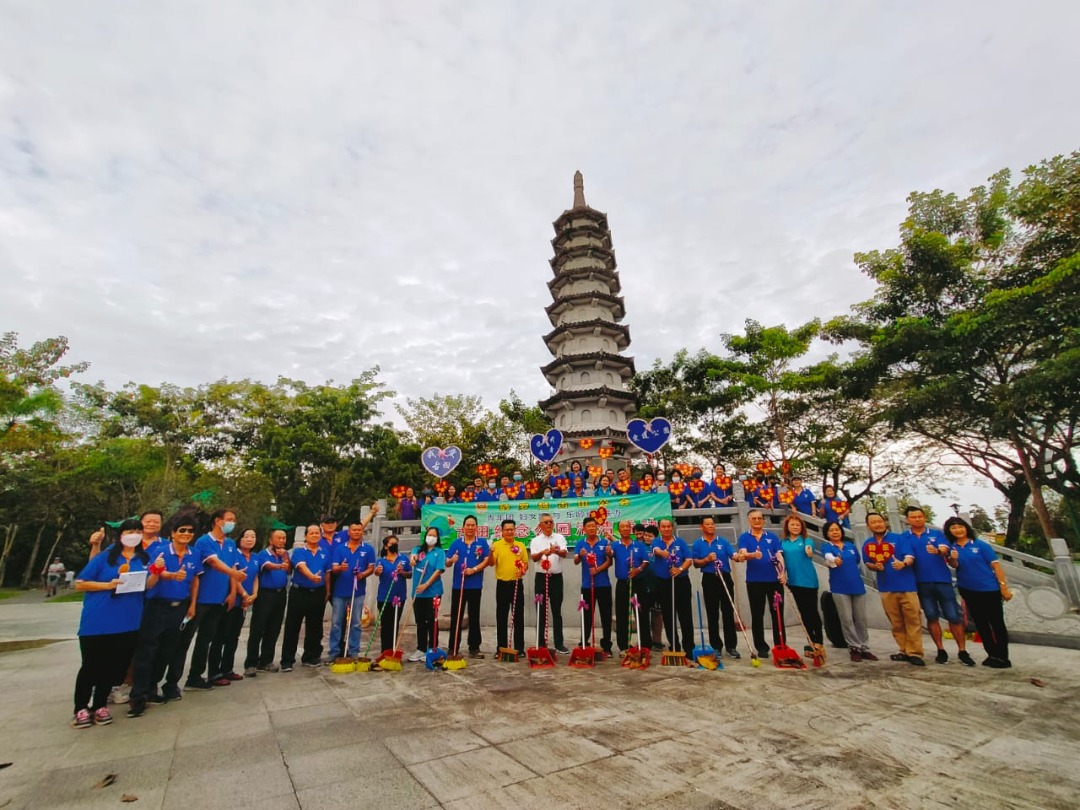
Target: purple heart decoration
439, 462
545, 446
648, 436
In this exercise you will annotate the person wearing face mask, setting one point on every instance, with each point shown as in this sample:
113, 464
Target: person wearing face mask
109, 623
217, 556
427, 584
698, 494
678, 492
516, 490
268, 612
488, 493
392, 569
167, 604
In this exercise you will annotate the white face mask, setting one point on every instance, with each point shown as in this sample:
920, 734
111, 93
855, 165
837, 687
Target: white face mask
659, 478
431, 540
131, 539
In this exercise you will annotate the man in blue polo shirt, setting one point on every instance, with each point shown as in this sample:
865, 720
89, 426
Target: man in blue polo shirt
352, 563
217, 556
670, 563
934, 579
330, 536
712, 556
631, 558
307, 602
167, 603
891, 556
592, 556
468, 557
268, 612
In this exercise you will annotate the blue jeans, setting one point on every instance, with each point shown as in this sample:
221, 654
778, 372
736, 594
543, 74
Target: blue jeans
337, 621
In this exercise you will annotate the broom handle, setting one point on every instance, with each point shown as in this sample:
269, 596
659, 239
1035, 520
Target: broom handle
798, 615
461, 604
700, 621
547, 603
735, 608
371, 638
538, 625
404, 620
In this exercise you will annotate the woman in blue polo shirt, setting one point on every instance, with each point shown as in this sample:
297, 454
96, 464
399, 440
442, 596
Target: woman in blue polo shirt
802, 578
848, 589
427, 584
109, 626
392, 569
759, 549
980, 578
222, 655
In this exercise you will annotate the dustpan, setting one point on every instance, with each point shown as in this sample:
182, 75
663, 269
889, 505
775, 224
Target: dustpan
363, 663
539, 657
582, 657
636, 657
783, 656
390, 660
703, 654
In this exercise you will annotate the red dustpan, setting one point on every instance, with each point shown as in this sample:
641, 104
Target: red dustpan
637, 657
539, 657
582, 657
782, 655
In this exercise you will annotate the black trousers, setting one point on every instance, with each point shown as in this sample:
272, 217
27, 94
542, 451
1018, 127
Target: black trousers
987, 609
551, 585
625, 619
761, 595
267, 614
471, 608
105, 660
306, 607
806, 600
386, 626
600, 599
424, 610
222, 655
717, 602
207, 618
158, 638
683, 611
509, 592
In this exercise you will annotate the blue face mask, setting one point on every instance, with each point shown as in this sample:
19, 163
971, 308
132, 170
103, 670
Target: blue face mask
228, 527
517, 477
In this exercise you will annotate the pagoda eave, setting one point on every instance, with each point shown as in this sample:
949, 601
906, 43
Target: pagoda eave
564, 277
603, 395
561, 303
620, 332
597, 360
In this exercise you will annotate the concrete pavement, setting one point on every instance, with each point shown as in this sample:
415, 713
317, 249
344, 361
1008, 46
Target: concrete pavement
496, 735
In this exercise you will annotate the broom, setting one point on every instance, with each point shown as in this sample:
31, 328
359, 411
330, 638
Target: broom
637, 657
509, 655
814, 651
363, 663
754, 660
457, 660
343, 664
539, 657
673, 657
434, 658
782, 655
390, 661
582, 657
704, 654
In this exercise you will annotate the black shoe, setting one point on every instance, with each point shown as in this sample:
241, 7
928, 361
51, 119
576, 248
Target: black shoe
136, 708
997, 663
942, 657
157, 699
898, 657
198, 683
172, 693
965, 658
286, 667
562, 650
915, 661
733, 653
763, 653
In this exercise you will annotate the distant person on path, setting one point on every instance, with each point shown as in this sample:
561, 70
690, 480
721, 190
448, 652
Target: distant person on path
981, 580
848, 590
109, 623
934, 580
54, 573
890, 555
268, 612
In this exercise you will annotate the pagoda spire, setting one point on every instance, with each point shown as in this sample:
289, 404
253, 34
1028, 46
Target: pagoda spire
579, 191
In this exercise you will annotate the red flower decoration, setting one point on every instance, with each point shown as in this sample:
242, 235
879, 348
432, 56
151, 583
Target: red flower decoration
724, 482
467, 497
765, 467
595, 471
684, 468
750, 484
676, 488
880, 552
840, 507
785, 467
562, 484
787, 497
531, 488
622, 486
512, 492
398, 491
766, 493
696, 485
646, 482
585, 444
605, 452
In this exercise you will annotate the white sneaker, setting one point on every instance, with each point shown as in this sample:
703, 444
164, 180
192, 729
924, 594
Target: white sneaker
119, 695
417, 656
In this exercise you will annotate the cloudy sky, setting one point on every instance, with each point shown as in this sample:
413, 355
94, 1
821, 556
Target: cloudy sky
235, 189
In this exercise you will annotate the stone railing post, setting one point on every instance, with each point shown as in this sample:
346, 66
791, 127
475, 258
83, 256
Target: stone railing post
1066, 571
858, 522
892, 513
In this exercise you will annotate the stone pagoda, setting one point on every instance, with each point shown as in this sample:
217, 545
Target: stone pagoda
590, 373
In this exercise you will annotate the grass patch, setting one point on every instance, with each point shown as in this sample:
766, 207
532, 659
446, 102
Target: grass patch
75, 596
7, 593
30, 644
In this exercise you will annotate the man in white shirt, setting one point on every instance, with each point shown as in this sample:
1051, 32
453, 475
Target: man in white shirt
547, 550
55, 574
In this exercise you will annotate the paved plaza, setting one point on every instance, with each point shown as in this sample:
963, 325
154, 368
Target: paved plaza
496, 735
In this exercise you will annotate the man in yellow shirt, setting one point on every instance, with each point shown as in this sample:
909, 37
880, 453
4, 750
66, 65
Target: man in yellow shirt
510, 558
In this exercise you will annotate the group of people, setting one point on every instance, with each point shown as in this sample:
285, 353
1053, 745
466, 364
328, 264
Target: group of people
155, 592
760, 490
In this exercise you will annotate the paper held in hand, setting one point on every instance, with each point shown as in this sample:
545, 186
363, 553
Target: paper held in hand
132, 582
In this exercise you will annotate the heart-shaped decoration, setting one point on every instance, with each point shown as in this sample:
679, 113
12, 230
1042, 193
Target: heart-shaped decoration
648, 437
440, 462
599, 515
545, 446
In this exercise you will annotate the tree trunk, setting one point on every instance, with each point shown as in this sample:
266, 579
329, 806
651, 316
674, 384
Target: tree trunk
10, 531
1017, 495
28, 574
1037, 501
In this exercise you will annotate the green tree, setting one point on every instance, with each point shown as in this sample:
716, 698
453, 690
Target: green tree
973, 335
